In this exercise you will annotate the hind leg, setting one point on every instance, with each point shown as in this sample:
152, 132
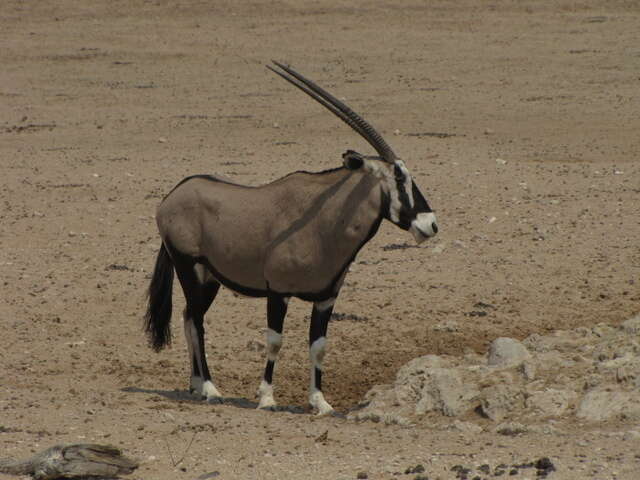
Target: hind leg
200, 289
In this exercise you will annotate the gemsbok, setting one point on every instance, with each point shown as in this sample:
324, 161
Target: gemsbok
293, 237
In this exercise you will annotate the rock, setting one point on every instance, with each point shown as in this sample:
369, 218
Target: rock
423, 385
511, 429
528, 370
550, 402
545, 429
544, 467
507, 352
542, 377
629, 372
603, 330
631, 326
445, 392
631, 435
535, 342
383, 407
599, 405
207, 476
465, 427
418, 365
255, 346
426, 385
450, 326
379, 416
419, 468
499, 401
439, 248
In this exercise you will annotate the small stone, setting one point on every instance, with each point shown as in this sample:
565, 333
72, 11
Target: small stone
511, 429
439, 248
207, 476
255, 346
362, 475
465, 427
417, 469
545, 466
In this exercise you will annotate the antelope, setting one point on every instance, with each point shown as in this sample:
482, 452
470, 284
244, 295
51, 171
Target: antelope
293, 237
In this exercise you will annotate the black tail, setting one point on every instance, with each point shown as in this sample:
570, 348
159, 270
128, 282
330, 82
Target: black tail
157, 320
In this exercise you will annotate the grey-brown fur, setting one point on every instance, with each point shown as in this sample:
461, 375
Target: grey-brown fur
294, 236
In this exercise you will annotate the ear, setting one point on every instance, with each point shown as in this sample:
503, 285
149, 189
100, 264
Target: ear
352, 160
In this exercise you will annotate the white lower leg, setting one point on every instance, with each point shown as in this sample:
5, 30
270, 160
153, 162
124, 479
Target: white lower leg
265, 391
265, 394
316, 398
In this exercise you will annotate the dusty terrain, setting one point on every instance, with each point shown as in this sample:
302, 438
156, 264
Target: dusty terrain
519, 120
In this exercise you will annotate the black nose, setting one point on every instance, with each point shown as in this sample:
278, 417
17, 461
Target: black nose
434, 227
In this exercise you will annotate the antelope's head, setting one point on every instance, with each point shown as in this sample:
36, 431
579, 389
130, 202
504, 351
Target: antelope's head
405, 206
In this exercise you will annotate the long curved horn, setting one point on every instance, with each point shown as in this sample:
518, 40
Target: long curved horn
338, 108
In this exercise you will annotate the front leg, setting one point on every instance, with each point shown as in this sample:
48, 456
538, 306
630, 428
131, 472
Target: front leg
317, 339
276, 311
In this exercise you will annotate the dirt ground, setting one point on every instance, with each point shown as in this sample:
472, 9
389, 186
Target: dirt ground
518, 119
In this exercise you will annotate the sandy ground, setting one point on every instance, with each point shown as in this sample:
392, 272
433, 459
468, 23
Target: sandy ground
519, 120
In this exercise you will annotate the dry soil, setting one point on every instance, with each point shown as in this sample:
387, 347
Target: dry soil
518, 119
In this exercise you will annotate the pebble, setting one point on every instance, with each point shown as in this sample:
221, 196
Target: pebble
439, 248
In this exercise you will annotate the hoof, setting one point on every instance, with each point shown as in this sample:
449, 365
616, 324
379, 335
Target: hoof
318, 402
265, 394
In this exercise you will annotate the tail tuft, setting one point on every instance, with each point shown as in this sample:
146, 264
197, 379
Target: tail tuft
157, 319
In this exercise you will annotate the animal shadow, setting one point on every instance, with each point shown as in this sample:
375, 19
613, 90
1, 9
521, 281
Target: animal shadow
238, 402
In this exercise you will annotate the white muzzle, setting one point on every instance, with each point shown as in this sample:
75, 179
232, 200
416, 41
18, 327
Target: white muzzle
424, 226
